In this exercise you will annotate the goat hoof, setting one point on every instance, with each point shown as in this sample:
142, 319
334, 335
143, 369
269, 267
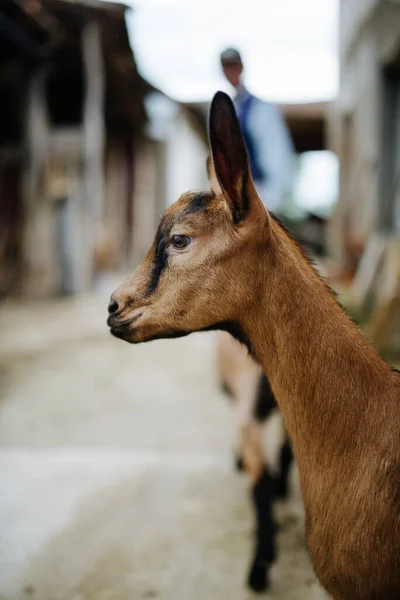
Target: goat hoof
258, 579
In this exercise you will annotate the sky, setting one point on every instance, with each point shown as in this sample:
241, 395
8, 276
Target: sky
289, 47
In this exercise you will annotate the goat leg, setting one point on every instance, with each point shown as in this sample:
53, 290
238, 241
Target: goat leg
265, 546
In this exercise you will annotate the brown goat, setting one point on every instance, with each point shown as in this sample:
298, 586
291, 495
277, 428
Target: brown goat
219, 261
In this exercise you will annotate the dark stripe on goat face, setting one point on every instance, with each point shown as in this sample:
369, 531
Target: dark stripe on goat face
198, 203
160, 260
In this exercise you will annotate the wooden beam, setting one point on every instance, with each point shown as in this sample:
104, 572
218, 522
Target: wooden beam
367, 269
36, 250
93, 139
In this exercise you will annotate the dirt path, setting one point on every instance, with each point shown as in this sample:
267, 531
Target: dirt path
116, 468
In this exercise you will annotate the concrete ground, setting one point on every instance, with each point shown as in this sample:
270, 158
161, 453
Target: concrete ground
116, 471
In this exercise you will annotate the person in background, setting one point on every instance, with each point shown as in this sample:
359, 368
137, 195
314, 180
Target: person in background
267, 137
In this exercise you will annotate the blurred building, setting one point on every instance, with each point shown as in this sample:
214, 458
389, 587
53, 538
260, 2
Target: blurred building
307, 125
365, 126
88, 159
315, 185
71, 111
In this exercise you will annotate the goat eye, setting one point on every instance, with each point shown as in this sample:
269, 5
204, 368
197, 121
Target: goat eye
180, 241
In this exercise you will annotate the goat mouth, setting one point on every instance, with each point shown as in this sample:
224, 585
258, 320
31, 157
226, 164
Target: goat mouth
121, 328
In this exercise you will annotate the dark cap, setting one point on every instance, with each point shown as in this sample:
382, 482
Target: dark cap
230, 55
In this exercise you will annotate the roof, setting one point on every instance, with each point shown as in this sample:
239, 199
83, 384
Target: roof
40, 9
305, 110
306, 122
58, 24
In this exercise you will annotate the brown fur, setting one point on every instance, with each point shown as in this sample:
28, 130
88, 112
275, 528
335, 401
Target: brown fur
340, 400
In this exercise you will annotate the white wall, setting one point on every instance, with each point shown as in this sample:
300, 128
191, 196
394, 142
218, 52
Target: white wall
185, 154
353, 14
186, 158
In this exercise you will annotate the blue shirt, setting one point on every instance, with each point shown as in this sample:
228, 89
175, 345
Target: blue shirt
271, 152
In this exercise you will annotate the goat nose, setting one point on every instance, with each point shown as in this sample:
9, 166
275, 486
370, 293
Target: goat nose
113, 307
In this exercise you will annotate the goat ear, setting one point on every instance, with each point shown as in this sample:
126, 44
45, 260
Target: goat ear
212, 177
229, 157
